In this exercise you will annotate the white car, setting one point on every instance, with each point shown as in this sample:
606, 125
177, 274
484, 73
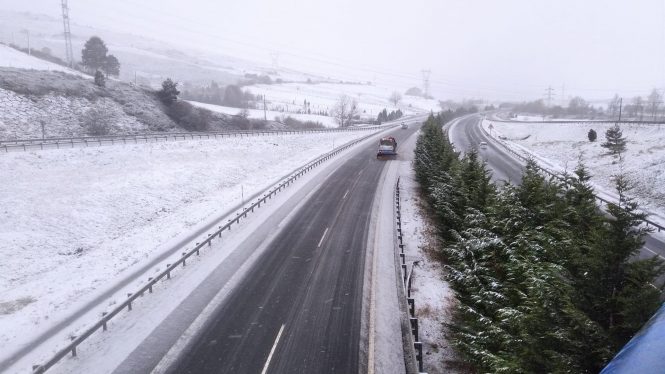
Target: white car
405, 126
483, 145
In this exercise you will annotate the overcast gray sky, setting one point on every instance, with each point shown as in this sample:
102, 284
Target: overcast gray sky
492, 49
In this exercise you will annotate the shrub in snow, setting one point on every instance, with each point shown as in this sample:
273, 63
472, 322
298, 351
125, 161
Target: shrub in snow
616, 143
99, 79
189, 117
592, 135
97, 121
169, 92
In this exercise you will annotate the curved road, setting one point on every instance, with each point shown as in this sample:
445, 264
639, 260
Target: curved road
466, 134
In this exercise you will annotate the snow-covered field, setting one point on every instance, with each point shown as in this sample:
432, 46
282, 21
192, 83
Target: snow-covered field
371, 99
270, 114
74, 220
561, 146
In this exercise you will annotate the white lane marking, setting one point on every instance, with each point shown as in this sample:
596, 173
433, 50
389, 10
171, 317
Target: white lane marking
360, 173
272, 351
650, 250
323, 237
344, 197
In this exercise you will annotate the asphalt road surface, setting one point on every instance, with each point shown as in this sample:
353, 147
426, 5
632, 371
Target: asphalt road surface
299, 308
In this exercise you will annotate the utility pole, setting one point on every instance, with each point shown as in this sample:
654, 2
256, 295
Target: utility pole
265, 115
426, 74
27, 32
620, 107
68, 34
549, 95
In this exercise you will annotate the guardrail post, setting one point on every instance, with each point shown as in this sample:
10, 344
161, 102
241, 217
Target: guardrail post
184, 260
129, 304
104, 327
414, 327
150, 286
220, 231
168, 273
419, 354
209, 241
404, 272
412, 306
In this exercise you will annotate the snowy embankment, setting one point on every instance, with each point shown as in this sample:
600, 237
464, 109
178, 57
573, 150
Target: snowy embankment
434, 299
561, 146
74, 220
12, 58
270, 115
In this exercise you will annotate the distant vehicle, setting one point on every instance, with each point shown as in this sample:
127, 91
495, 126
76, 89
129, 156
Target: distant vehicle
405, 126
483, 145
387, 148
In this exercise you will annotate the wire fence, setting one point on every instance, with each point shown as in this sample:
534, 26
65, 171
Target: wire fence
87, 141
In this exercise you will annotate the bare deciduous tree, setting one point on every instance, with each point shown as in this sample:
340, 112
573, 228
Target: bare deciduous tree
395, 98
344, 110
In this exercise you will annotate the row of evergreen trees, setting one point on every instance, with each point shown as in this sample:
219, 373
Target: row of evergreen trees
384, 116
231, 95
545, 281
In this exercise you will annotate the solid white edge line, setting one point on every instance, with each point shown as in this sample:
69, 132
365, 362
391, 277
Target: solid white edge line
272, 350
344, 197
323, 237
652, 251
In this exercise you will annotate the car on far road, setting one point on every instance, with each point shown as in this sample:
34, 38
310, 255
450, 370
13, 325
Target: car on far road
405, 126
483, 145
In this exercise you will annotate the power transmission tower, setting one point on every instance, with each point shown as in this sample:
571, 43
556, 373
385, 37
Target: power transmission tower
68, 34
426, 74
549, 96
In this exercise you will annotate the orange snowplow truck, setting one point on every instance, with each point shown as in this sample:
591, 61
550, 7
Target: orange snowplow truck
387, 148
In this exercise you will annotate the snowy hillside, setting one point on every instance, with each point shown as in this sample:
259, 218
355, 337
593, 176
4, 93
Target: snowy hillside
62, 104
270, 114
562, 145
9, 57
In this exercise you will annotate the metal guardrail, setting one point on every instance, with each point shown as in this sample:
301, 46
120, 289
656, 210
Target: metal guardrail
170, 267
407, 276
70, 142
558, 176
587, 121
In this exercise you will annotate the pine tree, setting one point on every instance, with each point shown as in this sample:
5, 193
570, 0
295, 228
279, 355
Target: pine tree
93, 55
616, 143
627, 298
111, 66
476, 181
592, 135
